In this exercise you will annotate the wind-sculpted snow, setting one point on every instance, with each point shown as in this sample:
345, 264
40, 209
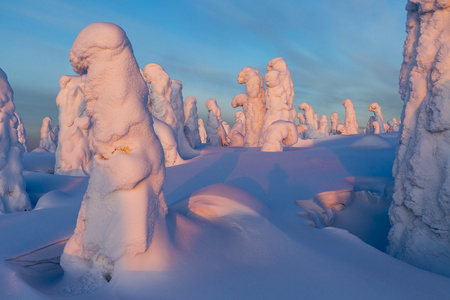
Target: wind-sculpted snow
375, 108
420, 232
13, 197
278, 107
123, 210
48, 139
253, 104
191, 129
73, 156
279, 132
350, 124
216, 135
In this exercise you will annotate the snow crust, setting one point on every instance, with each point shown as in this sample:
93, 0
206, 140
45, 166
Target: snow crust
73, 156
13, 197
420, 232
123, 210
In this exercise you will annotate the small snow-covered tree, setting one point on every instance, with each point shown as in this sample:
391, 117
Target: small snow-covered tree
351, 126
13, 197
376, 109
253, 104
73, 156
123, 210
237, 132
202, 131
216, 135
191, 121
334, 119
48, 139
279, 132
21, 132
420, 212
323, 125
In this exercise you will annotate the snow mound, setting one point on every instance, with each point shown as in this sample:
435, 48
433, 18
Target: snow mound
371, 141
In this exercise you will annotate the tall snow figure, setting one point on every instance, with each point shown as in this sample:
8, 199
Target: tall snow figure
216, 135
73, 156
13, 197
123, 210
420, 212
376, 109
351, 126
48, 139
280, 65
253, 105
191, 121
22, 134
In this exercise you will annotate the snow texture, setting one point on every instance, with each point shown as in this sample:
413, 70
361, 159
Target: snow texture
279, 132
73, 156
376, 109
176, 100
191, 121
420, 213
13, 197
48, 139
21, 132
253, 104
350, 124
202, 131
122, 213
216, 135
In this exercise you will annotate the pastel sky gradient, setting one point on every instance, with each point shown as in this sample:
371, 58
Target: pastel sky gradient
335, 49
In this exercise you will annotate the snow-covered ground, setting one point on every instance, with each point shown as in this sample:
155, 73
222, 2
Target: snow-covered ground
244, 224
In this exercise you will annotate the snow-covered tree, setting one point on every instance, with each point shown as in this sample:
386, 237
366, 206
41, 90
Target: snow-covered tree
376, 109
21, 132
237, 132
48, 139
253, 104
123, 210
350, 124
323, 126
73, 156
191, 121
216, 135
279, 132
334, 119
420, 212
202, 131
394, 125
13, 197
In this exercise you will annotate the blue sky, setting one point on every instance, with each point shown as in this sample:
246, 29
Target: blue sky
335, 49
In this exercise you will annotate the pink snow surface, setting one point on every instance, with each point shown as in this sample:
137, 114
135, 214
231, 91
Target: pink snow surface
236, 231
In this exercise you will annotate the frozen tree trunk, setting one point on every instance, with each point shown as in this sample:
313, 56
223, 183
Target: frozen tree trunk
420, 212
351, 126
123, 210
48, 139
191, 129
13, 197
73, 156
216, 135
253, 105
202, 131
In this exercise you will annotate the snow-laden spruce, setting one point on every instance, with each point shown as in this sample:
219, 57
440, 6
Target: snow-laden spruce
13, 197
176, 100
323, 126
334, 119
350, 124
191, 121
420, 212
311, 121
216, 135
72, 156
237, 132
253, 104
21, 132
202, 131
122, 213
48, 138
376, 109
